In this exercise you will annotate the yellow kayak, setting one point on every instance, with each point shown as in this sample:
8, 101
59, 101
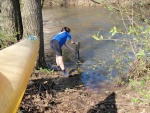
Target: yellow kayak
16, 65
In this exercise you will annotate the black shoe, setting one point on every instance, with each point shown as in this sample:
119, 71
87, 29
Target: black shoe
65, 73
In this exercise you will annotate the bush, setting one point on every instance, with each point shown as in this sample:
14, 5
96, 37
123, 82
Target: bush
133, 59
6, 40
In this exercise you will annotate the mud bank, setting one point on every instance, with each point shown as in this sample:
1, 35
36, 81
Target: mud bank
51, 3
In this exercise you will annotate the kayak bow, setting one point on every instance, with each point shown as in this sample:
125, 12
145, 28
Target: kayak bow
17, 63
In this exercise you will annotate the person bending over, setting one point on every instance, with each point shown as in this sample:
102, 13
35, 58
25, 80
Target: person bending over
56, 44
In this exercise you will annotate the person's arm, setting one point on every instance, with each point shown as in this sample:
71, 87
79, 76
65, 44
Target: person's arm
70, 39
69, 47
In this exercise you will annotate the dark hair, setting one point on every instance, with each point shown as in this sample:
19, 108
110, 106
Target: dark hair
66, 29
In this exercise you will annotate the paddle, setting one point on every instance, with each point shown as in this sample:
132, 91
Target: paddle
77, 50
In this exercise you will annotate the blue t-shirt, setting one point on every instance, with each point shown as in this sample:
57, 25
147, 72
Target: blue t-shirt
62, 37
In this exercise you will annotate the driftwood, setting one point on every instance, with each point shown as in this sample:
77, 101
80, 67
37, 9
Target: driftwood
95, 1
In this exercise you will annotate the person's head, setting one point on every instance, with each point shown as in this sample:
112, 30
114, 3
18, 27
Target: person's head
66, 29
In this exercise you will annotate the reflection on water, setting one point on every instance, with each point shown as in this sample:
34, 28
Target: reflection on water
84, 22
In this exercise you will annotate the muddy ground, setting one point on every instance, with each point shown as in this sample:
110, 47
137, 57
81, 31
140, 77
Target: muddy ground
54, 93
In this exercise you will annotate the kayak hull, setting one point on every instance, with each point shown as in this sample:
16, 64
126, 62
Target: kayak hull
17, 63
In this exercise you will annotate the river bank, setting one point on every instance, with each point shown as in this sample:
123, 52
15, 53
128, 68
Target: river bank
123, 3
53, 93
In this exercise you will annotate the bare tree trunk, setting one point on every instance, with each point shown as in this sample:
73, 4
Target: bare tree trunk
33, 25
11, 18
18, 19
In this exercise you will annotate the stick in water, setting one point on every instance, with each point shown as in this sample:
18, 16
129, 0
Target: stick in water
77, 49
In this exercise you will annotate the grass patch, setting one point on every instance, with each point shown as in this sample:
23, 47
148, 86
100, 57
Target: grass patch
6, 40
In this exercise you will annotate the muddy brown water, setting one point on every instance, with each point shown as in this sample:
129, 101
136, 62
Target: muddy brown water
84, 23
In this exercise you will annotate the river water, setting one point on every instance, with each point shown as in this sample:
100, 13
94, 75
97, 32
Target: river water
84, 23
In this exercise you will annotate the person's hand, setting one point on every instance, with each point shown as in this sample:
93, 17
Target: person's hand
72, 42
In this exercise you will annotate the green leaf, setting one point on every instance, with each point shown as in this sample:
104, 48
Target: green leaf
113, 30
140, 53
107, 92
95, 37
100, 1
